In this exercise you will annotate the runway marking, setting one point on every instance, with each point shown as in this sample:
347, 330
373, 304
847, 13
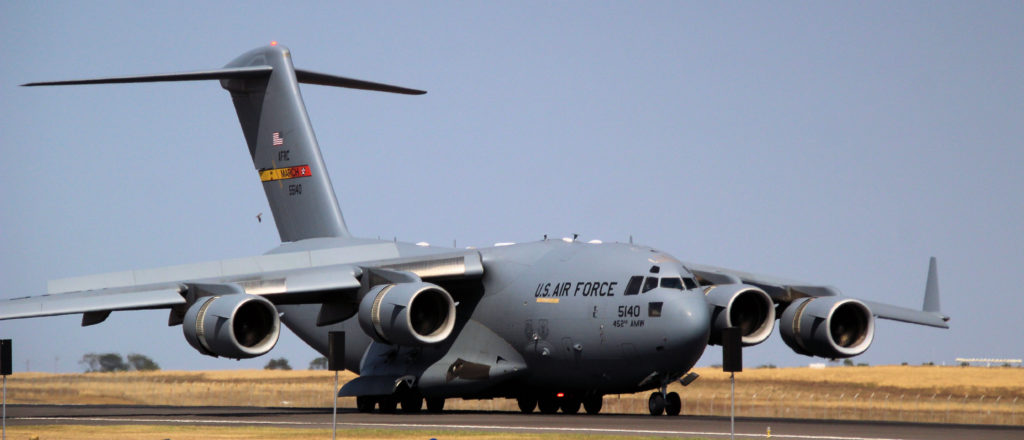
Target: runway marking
445, 426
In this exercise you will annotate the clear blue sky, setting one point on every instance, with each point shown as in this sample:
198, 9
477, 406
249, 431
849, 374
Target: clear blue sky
837, 143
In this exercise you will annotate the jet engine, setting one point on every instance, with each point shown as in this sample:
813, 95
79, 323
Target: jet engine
410, 314
827, 326
236, 326
743, 306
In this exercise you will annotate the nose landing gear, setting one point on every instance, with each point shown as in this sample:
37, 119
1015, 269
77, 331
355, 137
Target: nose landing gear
660, 402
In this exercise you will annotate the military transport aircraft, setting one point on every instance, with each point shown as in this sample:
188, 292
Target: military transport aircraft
555, 324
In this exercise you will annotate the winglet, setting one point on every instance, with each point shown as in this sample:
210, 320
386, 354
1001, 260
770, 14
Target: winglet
931, 290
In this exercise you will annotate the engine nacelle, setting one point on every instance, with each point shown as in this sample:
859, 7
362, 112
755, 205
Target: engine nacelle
743, 306
827, 326
236, 326
409, 314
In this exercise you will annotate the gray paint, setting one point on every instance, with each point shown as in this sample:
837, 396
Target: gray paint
512, 334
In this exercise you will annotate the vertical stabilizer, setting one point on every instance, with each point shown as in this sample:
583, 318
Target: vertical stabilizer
265, 89
931, 290
284, 148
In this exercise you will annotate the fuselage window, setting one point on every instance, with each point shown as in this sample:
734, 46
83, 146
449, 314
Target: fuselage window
690, 283
650, 283
633, 286
654, 309
672, 283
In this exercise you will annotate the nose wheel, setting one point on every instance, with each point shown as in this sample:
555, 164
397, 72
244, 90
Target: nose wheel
660, 402
673, 404
656, 403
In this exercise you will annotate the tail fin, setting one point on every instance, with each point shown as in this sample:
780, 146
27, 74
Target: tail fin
264, 87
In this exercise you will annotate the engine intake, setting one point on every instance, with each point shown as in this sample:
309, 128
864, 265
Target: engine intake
743, 306
407, 314
830, 327
236, 326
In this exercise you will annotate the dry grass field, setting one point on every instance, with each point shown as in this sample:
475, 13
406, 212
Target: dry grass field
974, 395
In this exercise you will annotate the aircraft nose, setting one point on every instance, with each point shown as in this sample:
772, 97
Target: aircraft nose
691, 322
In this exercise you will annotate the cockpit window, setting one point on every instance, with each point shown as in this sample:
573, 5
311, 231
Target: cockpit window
672, 283
633, 286
650, 283
690, 283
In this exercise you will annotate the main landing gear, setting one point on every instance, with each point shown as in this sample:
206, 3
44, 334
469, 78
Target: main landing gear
410, 401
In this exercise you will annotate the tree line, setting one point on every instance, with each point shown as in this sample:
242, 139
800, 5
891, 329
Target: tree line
110, 362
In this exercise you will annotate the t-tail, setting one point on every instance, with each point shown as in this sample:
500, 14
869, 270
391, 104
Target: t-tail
264, 87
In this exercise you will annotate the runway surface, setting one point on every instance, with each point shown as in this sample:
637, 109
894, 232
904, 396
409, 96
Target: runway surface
681, 426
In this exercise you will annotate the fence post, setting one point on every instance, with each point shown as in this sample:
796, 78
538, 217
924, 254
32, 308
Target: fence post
997, 408
981, 403
1013, 418
917, 407
824, 410
963, 406
948, 404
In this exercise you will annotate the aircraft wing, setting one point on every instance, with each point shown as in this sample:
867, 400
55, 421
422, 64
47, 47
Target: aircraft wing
316, 276
89, 302
784, 291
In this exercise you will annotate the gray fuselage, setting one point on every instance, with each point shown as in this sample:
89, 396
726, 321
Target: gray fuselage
561, 310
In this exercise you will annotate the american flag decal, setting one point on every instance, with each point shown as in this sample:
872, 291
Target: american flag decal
277, 139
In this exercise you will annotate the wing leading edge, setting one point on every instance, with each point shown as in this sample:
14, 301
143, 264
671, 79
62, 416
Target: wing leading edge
307, 277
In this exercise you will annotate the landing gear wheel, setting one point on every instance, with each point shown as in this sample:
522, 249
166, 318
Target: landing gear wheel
656, 404
547, 405
435, 404
673, 404
365, 404
526, 404
570, 405
388, 404
593, 404
412, 403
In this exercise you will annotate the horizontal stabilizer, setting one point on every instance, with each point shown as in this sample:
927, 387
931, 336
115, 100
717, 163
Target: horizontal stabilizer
323, 79
225, 73
303, 76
